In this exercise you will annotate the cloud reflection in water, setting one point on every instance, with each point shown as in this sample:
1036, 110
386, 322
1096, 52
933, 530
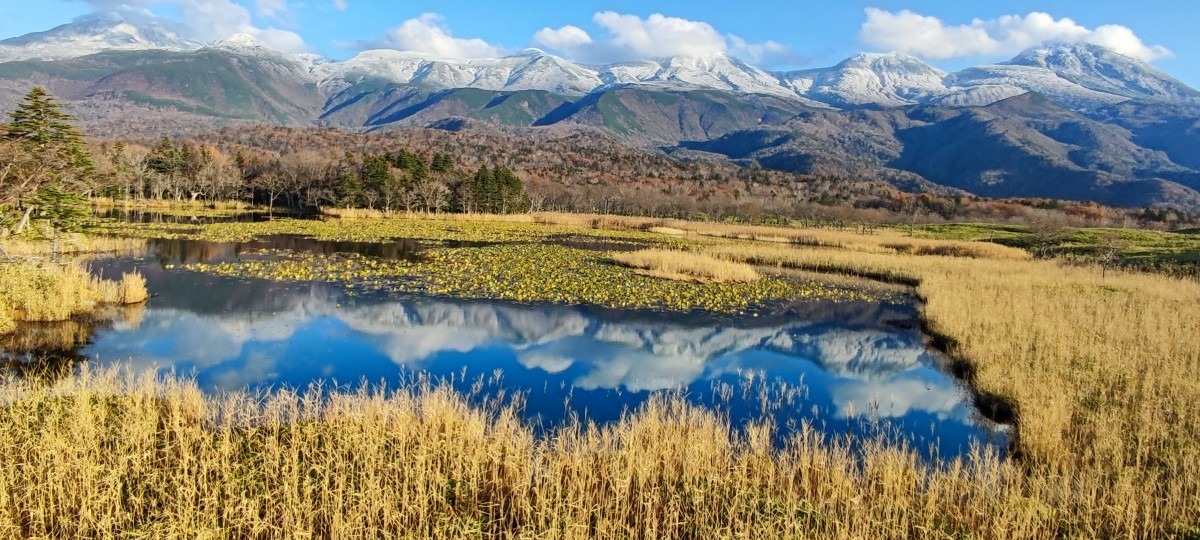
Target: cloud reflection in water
603, 359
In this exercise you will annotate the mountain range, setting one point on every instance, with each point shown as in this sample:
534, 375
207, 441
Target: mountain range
1064, 120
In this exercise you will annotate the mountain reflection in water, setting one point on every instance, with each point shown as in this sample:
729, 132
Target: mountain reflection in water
847, 368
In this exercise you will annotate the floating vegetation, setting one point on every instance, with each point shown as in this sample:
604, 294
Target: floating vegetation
376, 230
529, 273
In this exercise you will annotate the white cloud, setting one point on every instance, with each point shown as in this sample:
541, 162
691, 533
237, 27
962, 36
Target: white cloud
340, 5
565, 38
630, 37
108, 6
271, 8
211, 20
659, 35
767, 53
427, 34
923, 35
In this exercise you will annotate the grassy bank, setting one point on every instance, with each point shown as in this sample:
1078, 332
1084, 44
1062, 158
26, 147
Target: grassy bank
36, 286
143, 458
169, 204
686, 266
1100, 368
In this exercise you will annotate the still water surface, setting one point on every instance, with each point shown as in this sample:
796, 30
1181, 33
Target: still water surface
848, 368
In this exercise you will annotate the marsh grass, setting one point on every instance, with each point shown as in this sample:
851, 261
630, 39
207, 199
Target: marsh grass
107, 202
68, 244
55, 292
1101, 370
109, 454
686, 266
36, 286
132, 288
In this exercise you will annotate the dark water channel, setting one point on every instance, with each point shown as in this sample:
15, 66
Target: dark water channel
849, 368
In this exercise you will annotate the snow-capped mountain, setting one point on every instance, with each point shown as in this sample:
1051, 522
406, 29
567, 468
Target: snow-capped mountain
1103, 70
1083, 77
90, 36
531, 70
1078, 76
1063, 121
715, 71
870, 79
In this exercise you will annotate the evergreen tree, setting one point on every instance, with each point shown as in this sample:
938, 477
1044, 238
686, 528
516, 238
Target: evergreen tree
44, 131
40, 122
374, 175
63, 209
349, 189
479, 186
442, 163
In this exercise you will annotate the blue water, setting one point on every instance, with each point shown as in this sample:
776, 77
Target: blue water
849, 369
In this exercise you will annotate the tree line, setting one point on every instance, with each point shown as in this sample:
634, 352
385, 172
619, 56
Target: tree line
391, 181
48, 171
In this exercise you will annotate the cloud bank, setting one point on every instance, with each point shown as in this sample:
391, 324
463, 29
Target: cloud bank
922, 35
212, 20
630, 37
429, 34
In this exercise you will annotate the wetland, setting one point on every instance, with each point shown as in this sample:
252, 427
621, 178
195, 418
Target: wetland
533, 316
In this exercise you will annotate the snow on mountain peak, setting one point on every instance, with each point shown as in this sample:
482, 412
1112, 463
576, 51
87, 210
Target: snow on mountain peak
1104, 70
90, 36
888, 79
241, 41
1082, 76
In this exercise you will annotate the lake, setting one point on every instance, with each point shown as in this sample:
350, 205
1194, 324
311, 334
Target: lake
850, 368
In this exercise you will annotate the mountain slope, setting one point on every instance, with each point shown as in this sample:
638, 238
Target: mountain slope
1103, 70
1026, 146
1082, 77
1066, 121
666, 116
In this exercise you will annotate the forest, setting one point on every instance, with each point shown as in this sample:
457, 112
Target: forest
48, 169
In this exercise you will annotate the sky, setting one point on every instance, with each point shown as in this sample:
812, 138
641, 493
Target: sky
773, 34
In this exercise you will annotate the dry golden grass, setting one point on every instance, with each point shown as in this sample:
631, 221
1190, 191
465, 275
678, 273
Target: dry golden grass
106, 202
38, 291
104, 455
356, 213
133, 288
1102, 371
882, 241
686, 266
69, 244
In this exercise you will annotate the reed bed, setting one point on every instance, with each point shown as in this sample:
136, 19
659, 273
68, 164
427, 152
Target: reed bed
69, 244
1098, 369
882, 241
107, 454
39, 291
108, 202
1101, 371
679, 265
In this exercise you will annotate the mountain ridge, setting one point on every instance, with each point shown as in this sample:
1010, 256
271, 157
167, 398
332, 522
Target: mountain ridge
1078, 75
1064, 120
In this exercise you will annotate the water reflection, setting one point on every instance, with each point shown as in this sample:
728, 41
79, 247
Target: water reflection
598, 361
182, 216
834, 364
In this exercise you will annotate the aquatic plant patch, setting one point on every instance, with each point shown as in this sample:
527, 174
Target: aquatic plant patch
529, 273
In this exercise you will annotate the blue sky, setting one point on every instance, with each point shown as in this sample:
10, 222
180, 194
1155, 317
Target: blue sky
777, 34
